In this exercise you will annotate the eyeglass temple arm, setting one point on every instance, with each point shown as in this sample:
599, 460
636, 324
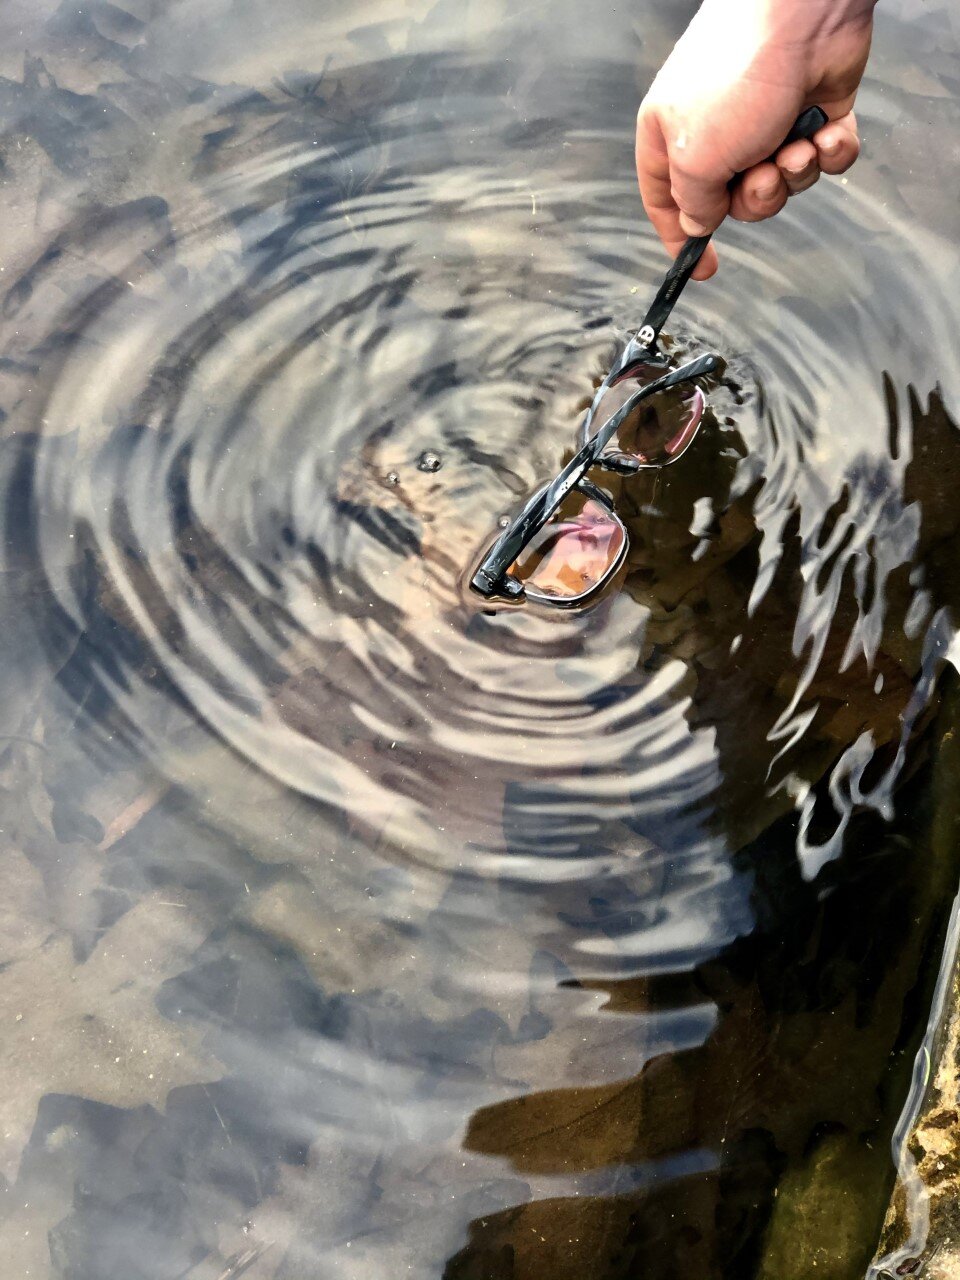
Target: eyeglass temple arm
489, 576
675, 281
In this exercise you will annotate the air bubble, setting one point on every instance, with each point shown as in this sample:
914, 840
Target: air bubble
430, 461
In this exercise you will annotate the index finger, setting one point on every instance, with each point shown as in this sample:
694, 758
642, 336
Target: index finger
656, 191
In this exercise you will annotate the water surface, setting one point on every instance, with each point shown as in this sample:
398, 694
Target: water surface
349, 930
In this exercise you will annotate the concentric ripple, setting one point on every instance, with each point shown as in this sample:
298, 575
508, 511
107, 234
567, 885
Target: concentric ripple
232, 435
257, 427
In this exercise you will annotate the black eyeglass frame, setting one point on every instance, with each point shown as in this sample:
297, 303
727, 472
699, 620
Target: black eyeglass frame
492, 577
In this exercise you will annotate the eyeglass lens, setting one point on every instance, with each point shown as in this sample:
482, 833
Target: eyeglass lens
659, 429
574, 554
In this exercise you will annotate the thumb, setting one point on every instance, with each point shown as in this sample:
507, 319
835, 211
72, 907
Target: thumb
703, 198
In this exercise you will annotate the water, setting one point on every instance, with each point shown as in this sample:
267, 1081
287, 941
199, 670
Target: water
350, 931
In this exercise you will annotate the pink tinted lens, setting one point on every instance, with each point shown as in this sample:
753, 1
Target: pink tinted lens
692, 415
575, 553
659, 429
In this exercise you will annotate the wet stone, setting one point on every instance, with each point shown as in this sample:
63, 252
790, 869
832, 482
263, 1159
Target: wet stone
930, 1171
921, 1232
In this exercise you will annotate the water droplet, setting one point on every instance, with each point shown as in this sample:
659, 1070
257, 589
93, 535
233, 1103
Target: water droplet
430, 461
503, 521
392, 478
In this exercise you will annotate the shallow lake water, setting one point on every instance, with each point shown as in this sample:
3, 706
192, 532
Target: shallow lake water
348, 930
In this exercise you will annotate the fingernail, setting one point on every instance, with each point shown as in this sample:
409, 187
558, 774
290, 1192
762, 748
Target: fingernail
693, 228
831, 148
769, 192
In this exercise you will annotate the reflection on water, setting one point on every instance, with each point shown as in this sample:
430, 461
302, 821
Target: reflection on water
350, 930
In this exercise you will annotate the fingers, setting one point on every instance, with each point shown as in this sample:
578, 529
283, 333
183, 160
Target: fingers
666, 222
799, 165
658, 189
765, 189
699, 187
653, 173
838, 144
683, 198
708, 264
761, 193
703, 201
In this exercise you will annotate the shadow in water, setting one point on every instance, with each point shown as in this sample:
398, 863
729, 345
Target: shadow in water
793, 1096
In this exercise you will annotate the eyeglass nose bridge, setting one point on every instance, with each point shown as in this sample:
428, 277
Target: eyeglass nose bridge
622, 464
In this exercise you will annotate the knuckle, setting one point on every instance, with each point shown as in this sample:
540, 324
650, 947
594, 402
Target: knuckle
797, 169
851, 154
842, 159
754, 210
692, 165
798, 156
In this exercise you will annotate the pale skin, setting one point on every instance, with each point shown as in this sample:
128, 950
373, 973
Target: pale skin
729, 94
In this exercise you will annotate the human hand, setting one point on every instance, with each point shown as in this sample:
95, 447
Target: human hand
729, 94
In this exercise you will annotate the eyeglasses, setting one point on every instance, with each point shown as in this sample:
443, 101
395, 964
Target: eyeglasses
568, 541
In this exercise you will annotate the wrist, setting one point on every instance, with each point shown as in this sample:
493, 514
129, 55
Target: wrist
792, 20
786, 21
